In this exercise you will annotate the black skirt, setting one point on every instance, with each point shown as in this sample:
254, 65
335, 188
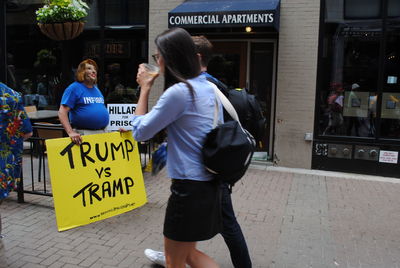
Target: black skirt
193, 211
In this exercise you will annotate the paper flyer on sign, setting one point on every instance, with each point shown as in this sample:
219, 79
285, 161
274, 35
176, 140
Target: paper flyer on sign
388, 157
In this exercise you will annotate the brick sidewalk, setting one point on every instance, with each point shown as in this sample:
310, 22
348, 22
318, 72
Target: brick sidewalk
290, 219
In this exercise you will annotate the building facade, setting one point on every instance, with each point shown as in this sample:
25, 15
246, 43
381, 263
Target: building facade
276, 60
326, 72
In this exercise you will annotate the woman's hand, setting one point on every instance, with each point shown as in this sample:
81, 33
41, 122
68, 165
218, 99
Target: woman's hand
75, 137
145, 77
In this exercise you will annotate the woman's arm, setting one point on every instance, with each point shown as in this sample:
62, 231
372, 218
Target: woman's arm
143, 102
63, 116
171, 105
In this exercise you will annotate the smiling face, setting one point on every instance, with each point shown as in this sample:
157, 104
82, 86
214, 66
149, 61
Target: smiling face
90, 75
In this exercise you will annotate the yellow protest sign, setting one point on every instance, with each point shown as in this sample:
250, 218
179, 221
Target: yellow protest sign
99, 179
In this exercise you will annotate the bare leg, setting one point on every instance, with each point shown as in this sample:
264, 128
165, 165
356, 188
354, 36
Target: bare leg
198, 259
178, 253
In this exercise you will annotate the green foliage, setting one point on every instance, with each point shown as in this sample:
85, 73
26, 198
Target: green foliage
45, 58
62, 11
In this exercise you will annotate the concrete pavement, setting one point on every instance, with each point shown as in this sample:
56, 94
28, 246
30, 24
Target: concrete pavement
290, 217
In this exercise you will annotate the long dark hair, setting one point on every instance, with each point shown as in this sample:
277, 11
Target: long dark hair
181, 61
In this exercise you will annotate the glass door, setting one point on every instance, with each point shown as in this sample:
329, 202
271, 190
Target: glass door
250, 65
229, 63
261, 83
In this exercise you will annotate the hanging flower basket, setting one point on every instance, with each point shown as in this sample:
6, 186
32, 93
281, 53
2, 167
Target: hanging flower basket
62, 31
62, 19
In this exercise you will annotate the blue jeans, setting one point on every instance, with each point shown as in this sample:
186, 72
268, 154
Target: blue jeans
232, 233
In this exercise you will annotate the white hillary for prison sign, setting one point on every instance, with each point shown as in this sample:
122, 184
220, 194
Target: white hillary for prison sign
120, 116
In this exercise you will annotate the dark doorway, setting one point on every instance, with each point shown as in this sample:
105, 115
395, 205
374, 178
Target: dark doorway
250, 65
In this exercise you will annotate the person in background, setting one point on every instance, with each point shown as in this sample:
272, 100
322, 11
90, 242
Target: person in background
11, 80
335, 108
41, 88
15, 127
231, 231
186, 110
84, 104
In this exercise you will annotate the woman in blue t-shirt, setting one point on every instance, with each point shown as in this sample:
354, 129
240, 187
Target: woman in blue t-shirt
84, 104
186, 110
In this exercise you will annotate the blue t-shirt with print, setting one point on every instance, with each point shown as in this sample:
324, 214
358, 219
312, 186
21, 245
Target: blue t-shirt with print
87, 106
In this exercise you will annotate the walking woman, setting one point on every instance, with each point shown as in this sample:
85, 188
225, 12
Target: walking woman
186, 109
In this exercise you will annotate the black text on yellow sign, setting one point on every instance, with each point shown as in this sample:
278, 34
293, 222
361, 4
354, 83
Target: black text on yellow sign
98, 179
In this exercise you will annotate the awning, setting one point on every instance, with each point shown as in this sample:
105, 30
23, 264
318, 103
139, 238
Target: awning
225, 13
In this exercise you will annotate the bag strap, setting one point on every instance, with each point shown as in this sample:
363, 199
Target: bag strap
216, 112
225, 103
221, 86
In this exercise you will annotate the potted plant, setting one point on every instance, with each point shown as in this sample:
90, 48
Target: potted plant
62, 19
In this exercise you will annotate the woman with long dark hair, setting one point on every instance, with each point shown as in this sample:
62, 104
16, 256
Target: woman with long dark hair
186, 110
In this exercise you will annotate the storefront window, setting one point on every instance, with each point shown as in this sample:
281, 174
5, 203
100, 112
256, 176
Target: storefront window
390, 110
124, 46
118, 13
122, 12
359, 74
361, 9
41, 68
348, 97
33, 61
92, 20
393, 8
123, 54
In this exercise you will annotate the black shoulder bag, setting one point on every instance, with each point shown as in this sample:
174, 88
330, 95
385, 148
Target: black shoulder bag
228, 148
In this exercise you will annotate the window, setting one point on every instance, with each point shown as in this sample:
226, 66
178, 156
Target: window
41, 68
390, 110
33, 60
118, 13
359, 70
125, 12
349, 91
393, 8
362, 9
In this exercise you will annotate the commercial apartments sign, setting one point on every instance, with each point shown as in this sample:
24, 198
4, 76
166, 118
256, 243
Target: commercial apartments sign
226, 19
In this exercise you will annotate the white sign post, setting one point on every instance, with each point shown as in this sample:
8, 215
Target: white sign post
120, 116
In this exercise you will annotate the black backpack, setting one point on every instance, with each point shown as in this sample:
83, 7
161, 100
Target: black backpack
228, 147
247, 107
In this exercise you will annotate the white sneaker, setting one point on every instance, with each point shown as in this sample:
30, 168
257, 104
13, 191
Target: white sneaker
157, 257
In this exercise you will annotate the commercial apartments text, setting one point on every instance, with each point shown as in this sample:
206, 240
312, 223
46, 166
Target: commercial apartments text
221, 19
